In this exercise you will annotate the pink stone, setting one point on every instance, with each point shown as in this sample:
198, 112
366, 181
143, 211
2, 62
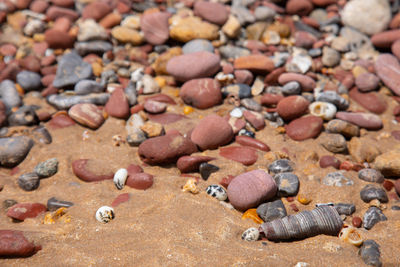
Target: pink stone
191, 163
120, 199
251, 142
87, 114
245, 155
396, 48
155, 27
55, 12
249, 189
14, 244
243, 76
373, 102
387, 68
61, 121
133, 169
92, 170
96, 10
201, 93
292, 107
385, 39
118, 106
154, 107
304, 39
141, 181
8, 50
236, 124
299, 7
162, 98
270, 99
63, 3
21, 211
367, 82
255, 119
166, 118
304, 128
212, 12
329, 161
365, 120
39, 6
306, 83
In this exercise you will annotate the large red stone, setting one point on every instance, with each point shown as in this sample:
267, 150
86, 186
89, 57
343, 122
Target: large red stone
21, 211
55, 12
255, 119
270, 99
365, 120
92, 170
299, 7
304, 128
59, 39
155, 27
245, 155
141, 181
373, 102
14, 244
292, 107
201, 93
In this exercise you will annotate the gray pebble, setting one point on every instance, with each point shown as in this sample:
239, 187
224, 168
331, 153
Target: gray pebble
41, 135
8, 203
370, 253
231, 51
334, 98
54, 204
345, 208
395, 208
291, 88
65, 101
372, 216
29, 181
85, 87
131, 94
136, 138
330, 57
251, 104
25, 115
272, 210
281, 165
9, 94
206, 169
264, 13
315, 52
197, 45
47, 168
288, 184
371, 192
29, 80
71, 69
371, 175
14, 150
108, 76
334, 143
336, 179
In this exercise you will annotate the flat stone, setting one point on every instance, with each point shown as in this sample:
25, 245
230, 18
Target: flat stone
272, 210
117, 105
364, 120
197, 45
344, 128
88, 115
54, 204
256, 63
245, 155
14, 245
22, 211
292, 107
370, 253
201, 93
14, 150
388, 163
373, 102
334, 143
372, 216
337, 179
140, 181
251, 142
304, 128
71, 69
29, 80
92, 170
371, 192
281, 165
191, 163
288, 184
155, 27
47, 168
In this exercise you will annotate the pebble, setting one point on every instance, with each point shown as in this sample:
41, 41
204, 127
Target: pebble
272, 210
201, 93
9, 94
122, 198
255, 119
372, 101
54, 204
89, 30
65, 101
356, 222
251, 234
71, 69
29, 80
330, 57
192, 27
334, 143
306, 82
371, 175
371, 192
198, 45
281, 165
345, 208
7, 203
385, 39
29, 181
25, 115
154, 107
370, 253
264, 13
329, 161
140, 181
324, 110
105, 214
249, 189
85, 87
344, 128
14, 150
387, 67
91, 170
47, 168
94, 47
215, 13
251, 104
206, 169
155, 27
291, 88
299, 7
388, 163
117, 105
304, 128
57, 39
251, 142
217, 191
372, 216
88, 115
254, 63
292, 107
288, 184
337, 179
230, 51
240, 90
191, 163
21, 211
367, 82
364, 120
245, 155
333, 98
14, 245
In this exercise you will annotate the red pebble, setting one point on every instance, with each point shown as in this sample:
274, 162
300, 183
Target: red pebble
245, 155
22, 211
61, 121
141, 181
226, 180
388, 185
328, 161
397, 186
120, 199
294, 207
14, 244
346, 165
251, 142
356, 221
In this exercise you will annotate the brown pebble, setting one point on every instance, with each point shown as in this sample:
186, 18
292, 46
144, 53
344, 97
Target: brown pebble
245, 155
292, 107
251, 142
304, 128
388, 185
141, 181
356, 221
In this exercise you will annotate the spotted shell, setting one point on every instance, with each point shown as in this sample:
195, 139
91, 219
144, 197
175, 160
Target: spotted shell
105, 214
251, 234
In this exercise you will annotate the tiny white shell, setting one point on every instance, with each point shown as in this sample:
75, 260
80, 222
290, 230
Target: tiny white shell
120, 178
251, 234
217, 191
324, 110
105, 214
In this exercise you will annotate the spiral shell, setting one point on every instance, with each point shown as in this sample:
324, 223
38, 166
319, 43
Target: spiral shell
105, 214
324, 110
321, 220
350, 234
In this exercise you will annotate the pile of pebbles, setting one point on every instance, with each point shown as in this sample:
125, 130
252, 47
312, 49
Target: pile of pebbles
296, 70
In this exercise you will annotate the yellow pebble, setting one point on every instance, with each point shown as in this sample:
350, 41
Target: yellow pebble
97, 69
190, 186
303, 199
20, 90
280, 130
161, 81
187, 110
38, 37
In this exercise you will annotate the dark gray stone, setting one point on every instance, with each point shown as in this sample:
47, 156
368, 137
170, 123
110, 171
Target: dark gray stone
131, 94
29, 80
42, 135
13, 150
372, 216
291, 88
95, 47
197, 45
272, 210
47, 168
333, 98
336, 179
288, 184
371, 192
85, 87
65, 101
395, 207
135, 139
371, 175
9, 94
29, 181
207, 169
54, 204
345, 208
25, 116
281, 165
370, 253
71, 69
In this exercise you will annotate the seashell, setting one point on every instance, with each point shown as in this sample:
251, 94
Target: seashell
321, 220
105, 214
217, 191
349, 234
324, 110
120, 178
251, 234
190, 186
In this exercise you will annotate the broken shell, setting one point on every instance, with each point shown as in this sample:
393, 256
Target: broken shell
321, 220
52, 217
324, 110
120, 178
350, 234
251, 234
105, 214
217, 191
190, 186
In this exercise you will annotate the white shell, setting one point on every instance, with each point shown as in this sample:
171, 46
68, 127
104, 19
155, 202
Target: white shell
236, 112
105, 214
120, 178
217, 191
251, 234
324, 110
351, 235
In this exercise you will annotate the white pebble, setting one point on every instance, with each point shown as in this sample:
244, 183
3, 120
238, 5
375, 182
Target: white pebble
251, 234
236, 112
217, 191
120, 178
324, 110
105, 214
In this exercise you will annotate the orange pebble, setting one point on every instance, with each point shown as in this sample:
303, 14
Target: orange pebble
252, 214
187, 110
303, 199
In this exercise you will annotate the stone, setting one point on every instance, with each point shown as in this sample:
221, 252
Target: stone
371, 192
367, 16
249, 189
334, 143
387, 68
197, 45
240, 90
191, 27
329, 161
155, 107
127, 35
25, 115
251, 104
85, 87
71, 69
272, 210
245, 155
92, 47
251, 142
14, 244
194, 65
288, 184
9, 94
299, 7
54, 204
165, 149
344, 128
21, 211
152, 129
88, 115
372, 101
345, 208
271, 99
304, 39
292, 107
324, 110
307, 83
212, 132
388, 163
264, 13
57, 39
166, 118
364, 120
370, 253
61, 121
396, 49
254, 63
29, 181
367, 82
304, 128
92, 170
363, 149
66, 101
207, 169
89, 30
216, 13
372, 216
336, 179
385, 39
96, 10
29, 80
150, 85
291, 88
281, 165
122, 198
155, 27
117, 105
14, 150
191, 163
255, 119
333, 98
47, 168
330, 57
201, 93
140, 181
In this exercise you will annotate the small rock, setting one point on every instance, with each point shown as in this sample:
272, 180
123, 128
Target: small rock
256, 63
29, 80
91, 170
47, 168
370, 253
333, 98
291, 88
329, 161
29, 181
367, 82
216, 13
388, 163
371, 192
9, 94
387, 67
191, 163
344, 128
54, 204
88, 115
251, 142
140, 181
304, 128
245, 155
364, 120
324, 110
14, 244
71, 69
251, 104
85, 87
232, 27
217, 191
334, 143
372, 216
255, 119
201, 93
264, 13
14, 150
25, 115
371, 175
240, 90
345, 208
251, 234
272, 210
22, 211
192, 27
336, 179
330, 57
197, 45
207, 169
373, 102
117, 105
281, 165
155, 27
288, 184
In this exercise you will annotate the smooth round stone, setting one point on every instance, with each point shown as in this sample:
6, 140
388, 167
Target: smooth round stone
29, 181
96, 10
155, 107
191, 163
86, 87
372, 216
329, 161
155, 27
291, 88
47, 168
92, 170
249, 189
385, 39
371, 192
373, 102
61, 121
9, 94
141, 181
207, 169
387, 68
14, 150
15, 245
288, 184
254, 63
197, 45
245, 155
193, 65
251, 104
255, 119
29, 80
364, 120
243, 76
264, 13
192, 27
212, 132
117, 105
251, 142
343, 127
307, 83
299, 7
281, 165
367, 82
371, 175
231, 51
334, 143
86, 114
22, 211
57, 39
272, 210
271, 99
330, 57
216, 13
166, 118
336, 179
304, 39
165, 149
201, 93
324, 110
333, 98
370, 253
292, 107
304, 128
